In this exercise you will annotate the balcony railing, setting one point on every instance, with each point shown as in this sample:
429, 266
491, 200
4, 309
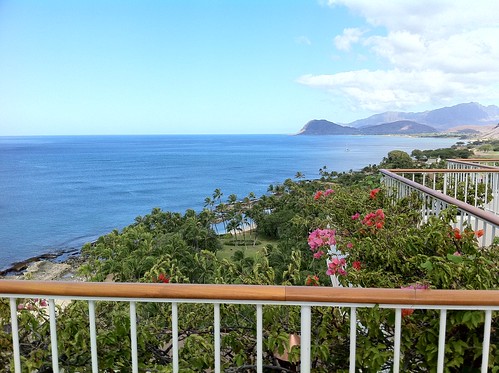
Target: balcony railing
434, 201
486, 301
476, 186
472, 163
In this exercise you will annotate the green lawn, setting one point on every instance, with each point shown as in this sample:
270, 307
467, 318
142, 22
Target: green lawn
231, 245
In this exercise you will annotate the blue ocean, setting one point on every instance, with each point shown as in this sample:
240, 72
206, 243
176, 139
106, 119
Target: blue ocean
61, 192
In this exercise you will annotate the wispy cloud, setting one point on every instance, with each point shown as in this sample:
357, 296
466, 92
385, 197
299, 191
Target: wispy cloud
436, 52
303, 40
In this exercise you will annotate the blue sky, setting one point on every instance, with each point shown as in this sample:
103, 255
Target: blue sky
225, 66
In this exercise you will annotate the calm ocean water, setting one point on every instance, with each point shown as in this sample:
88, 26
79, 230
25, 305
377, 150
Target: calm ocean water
60, 192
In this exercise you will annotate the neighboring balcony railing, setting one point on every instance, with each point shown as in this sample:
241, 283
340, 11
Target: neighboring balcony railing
440, 189
486, 301
469, 163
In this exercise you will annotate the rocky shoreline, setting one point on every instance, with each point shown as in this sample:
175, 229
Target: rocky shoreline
47, 267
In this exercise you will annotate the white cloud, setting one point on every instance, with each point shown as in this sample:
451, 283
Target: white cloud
382, 90
437, 51
349, 37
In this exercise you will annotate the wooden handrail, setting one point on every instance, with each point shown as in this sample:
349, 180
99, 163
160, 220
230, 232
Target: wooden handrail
482, 214
251, 293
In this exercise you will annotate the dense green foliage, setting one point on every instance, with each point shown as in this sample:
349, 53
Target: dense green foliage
443, 153
383, 243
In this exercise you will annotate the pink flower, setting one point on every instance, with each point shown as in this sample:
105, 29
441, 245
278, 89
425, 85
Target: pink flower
328, 192
43, 303
457, 253
355, 216
321, 237
20, 306
349, 245
318, 254
337, 266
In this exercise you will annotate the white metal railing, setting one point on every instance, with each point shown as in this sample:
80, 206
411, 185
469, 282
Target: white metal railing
434, 201
471, 163
260, 296
478, 187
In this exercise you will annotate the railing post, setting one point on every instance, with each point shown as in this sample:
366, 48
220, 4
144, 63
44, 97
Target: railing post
216, 332
441, 341
175, 337
93, 336
486, 340
133, 337
15, 335
396, 343
353, 337
305, 341
259, 338
53, 337
445, 183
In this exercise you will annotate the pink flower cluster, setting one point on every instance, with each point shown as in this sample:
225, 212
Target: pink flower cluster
32, 304
337, 266
324, 193
375, 219
320, 238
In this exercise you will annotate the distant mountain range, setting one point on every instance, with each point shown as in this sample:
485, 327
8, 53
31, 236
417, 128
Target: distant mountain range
433, 121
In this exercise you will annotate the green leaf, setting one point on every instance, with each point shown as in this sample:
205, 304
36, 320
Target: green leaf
427, 265
455, 258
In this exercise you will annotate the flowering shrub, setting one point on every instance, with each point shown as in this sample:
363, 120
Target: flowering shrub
387, 245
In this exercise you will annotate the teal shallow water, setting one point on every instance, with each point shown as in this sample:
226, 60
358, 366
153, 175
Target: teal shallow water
60, 192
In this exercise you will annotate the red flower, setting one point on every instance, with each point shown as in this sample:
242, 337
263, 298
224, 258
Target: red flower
479, 233
162, 278
312, 281
375, 219
457, 233
407, 312
357, 265
373, 193
318, 195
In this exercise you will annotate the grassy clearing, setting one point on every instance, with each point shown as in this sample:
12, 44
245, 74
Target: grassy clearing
232, 244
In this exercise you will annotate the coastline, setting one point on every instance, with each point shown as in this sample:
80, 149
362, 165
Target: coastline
47, 267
